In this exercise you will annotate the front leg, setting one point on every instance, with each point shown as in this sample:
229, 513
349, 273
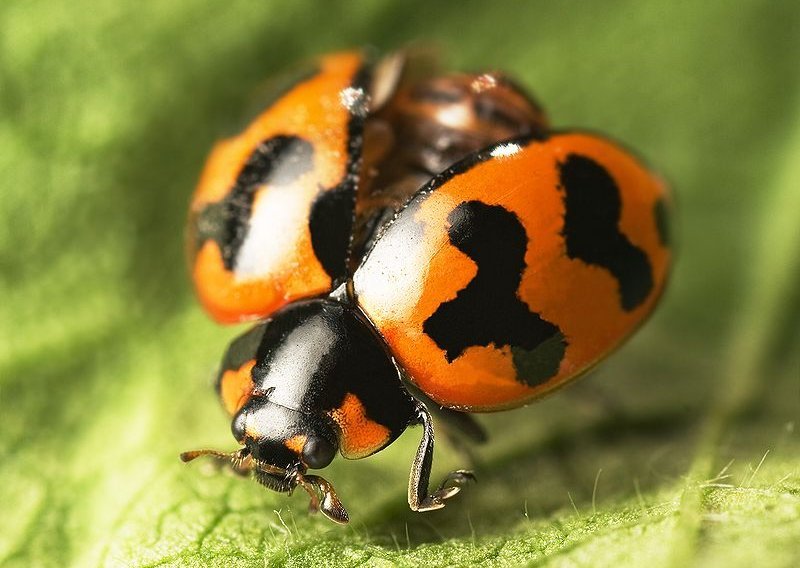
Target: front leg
240, 462
418, 497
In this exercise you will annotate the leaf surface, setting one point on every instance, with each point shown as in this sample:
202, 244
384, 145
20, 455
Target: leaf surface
681, 449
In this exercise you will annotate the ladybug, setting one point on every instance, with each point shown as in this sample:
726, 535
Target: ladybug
411, 242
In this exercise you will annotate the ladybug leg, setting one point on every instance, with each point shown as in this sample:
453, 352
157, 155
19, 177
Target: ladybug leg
418, 497
240, 462
323, 497
460, 428
329, 504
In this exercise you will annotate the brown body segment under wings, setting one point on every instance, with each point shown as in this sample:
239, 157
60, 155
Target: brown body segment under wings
272, 215
518, 269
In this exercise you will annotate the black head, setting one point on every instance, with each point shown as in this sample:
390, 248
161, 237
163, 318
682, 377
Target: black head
283, 437
279, 444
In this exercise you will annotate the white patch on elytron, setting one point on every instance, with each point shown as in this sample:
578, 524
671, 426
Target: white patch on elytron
390, 283
272, 235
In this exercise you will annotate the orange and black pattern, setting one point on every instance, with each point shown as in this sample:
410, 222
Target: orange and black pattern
517, 269
271, 218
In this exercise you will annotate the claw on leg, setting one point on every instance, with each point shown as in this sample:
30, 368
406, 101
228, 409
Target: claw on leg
450, 487
329, 504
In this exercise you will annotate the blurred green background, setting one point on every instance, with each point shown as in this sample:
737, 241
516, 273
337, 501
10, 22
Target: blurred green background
681, 450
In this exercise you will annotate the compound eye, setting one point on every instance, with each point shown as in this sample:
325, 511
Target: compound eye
318, 452
237, 427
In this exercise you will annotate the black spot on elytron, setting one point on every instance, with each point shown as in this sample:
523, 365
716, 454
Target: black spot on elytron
591, 228
535, 366
488, 311
330, 224
661, 214
333, 216
277, 161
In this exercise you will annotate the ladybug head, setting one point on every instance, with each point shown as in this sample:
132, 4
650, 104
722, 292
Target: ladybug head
278, 446
283, 438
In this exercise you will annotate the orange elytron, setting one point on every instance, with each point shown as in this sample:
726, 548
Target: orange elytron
504, 289
260, 192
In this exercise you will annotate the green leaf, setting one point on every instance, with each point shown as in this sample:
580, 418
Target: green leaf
681, 450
